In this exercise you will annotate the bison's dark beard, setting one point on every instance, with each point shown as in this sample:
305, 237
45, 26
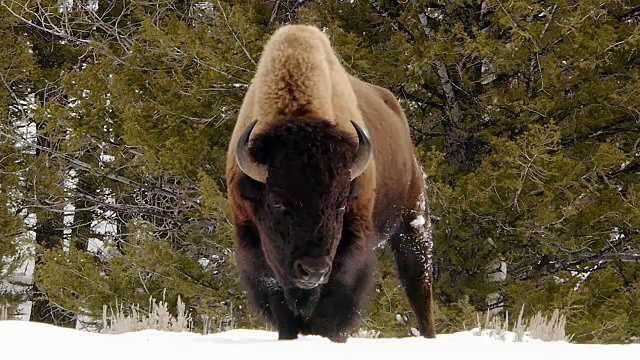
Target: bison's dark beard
301, 301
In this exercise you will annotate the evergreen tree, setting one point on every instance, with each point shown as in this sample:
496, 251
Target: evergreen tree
17, 70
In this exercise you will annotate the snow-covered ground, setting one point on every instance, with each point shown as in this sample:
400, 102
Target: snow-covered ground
22, 340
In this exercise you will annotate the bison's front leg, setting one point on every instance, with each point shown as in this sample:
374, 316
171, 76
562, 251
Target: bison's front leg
412, 249
288, 324
271, 300
263, 291
338, 311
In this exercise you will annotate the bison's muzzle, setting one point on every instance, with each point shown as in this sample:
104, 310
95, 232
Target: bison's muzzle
310, 272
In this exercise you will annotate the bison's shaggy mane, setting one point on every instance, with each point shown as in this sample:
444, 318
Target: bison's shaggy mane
304, 148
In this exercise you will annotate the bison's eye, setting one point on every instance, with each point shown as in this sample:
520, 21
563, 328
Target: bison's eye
279, 207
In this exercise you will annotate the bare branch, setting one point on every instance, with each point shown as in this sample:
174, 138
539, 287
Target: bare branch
87, 167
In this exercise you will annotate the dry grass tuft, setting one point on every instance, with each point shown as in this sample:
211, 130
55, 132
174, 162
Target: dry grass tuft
537, 327
157, 318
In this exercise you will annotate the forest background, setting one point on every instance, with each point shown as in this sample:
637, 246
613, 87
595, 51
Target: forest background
115, 118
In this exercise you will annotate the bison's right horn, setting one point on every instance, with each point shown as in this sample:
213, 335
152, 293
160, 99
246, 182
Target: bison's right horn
252, 169
364, 153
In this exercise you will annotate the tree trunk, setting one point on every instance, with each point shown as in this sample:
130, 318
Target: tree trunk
456, 147
49, 234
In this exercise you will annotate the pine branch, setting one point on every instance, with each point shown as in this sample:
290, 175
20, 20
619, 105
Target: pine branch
397, 26
89, 168
633, 12
603, 257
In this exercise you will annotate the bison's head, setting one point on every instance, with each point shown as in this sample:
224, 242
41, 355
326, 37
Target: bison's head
300, 179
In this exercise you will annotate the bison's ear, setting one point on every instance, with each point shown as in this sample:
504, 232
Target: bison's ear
249, 188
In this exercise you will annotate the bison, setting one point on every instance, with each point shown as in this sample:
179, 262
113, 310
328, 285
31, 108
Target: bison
320, 171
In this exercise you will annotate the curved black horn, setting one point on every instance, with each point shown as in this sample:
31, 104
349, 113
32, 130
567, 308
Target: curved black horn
252, 169
364, 153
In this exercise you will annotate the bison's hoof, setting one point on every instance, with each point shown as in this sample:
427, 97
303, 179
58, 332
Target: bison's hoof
340, 339
285, 335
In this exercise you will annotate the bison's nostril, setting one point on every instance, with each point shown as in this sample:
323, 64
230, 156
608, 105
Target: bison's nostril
301, 270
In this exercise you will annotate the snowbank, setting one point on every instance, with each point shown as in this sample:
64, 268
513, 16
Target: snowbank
20, 340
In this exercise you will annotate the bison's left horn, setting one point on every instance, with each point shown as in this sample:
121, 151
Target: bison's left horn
248, 166
364, 153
